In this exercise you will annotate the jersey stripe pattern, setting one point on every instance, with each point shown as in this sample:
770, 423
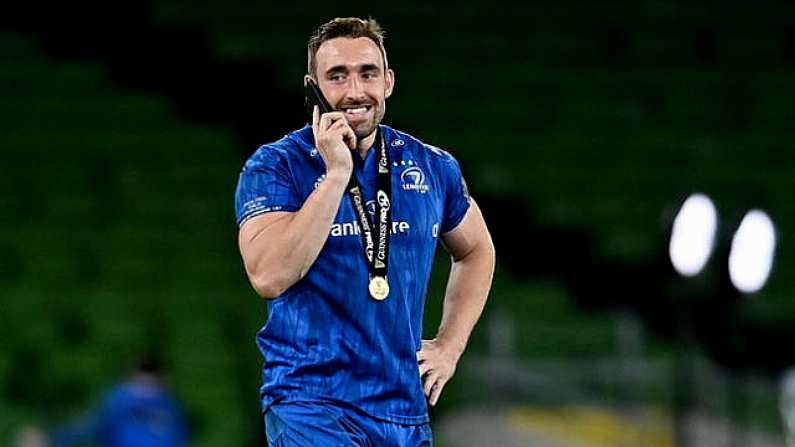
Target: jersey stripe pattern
326, 339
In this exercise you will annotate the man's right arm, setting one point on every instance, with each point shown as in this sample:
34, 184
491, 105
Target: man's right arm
278, 248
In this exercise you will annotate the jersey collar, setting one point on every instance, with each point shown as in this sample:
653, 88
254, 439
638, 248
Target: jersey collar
304, 138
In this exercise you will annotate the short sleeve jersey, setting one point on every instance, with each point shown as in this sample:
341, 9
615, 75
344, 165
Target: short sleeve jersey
326, 339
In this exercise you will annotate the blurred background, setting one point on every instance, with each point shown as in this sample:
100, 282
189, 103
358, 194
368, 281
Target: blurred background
582, 129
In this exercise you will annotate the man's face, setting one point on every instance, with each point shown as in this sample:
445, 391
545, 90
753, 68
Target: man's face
350, 73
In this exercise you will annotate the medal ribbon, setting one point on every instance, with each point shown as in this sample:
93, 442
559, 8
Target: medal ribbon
375, 236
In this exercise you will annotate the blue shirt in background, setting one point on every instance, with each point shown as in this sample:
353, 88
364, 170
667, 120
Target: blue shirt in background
133, 414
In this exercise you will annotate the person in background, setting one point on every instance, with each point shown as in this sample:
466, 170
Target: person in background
139, 412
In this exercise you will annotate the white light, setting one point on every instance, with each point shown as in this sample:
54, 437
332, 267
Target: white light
693, 235
751, 256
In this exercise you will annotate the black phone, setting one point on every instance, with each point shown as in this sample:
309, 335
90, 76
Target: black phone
314, 97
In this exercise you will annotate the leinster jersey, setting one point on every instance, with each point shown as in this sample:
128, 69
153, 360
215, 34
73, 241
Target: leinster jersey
326, 339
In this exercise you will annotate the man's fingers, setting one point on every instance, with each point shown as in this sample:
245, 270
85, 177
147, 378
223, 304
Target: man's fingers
315, 121
437, 390
349, 137
425, 348
422, 355
327, 120
338, 126
345, 132
434, 381
430, 380
424, 368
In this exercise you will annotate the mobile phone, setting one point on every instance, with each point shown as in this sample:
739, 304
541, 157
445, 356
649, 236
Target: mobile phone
314, 97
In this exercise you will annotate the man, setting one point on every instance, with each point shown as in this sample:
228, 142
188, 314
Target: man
338, 227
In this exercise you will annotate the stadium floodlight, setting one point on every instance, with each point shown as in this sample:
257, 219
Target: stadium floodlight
752, 250
693, 235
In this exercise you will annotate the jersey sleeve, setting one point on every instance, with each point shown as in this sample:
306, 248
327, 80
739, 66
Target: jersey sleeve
265, 185
456, 200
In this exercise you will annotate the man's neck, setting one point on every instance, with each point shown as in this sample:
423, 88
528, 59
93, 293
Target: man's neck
365, 144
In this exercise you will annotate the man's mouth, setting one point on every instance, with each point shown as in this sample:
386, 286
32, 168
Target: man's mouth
356, 111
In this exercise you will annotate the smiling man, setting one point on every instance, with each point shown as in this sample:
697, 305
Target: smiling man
338, 226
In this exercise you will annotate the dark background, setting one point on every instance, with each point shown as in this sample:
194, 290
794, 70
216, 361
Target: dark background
580, 127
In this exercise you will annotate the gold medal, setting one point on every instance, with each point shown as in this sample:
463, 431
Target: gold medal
379, 288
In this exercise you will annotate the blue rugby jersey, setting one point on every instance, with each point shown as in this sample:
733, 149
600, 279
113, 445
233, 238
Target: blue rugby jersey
326, 339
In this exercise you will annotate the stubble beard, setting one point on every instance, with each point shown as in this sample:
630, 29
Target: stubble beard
364, 130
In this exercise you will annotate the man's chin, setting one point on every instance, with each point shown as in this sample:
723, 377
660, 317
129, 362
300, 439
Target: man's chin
364, 131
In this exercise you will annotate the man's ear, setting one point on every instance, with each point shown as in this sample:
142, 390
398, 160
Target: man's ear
307, 78
389, 81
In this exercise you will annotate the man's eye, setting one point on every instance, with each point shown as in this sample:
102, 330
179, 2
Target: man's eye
369, 75
337, 77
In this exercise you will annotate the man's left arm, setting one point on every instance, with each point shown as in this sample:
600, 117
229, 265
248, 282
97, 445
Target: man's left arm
472, 253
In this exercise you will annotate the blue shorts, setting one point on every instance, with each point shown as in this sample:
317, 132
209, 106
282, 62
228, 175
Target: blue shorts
303, 424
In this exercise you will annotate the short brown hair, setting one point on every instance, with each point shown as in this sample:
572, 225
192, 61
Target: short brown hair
350, 27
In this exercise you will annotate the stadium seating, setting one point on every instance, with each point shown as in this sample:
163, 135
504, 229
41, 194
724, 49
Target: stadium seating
602, 119
118, 222
117, 212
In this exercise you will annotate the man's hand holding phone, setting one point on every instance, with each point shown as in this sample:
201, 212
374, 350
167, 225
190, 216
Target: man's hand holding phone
335, 140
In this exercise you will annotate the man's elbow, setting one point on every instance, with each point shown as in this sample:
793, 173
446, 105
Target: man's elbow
268, 286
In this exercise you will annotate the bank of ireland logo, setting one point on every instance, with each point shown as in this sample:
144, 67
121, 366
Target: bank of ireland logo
413, 179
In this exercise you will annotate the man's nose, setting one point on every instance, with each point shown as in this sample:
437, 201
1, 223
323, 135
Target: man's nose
355, 90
